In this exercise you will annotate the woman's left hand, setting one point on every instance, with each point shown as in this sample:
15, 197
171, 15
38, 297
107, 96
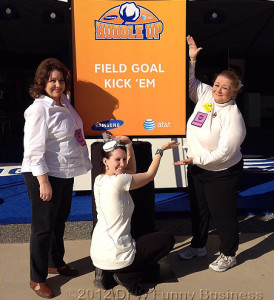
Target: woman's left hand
188, 161
123, 139
169, 145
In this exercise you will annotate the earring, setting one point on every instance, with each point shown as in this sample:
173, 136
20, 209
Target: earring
107, 167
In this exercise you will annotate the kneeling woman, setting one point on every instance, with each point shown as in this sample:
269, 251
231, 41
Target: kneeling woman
119, 258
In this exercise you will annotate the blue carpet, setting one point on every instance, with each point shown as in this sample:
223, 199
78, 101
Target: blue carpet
15, 206
256, 195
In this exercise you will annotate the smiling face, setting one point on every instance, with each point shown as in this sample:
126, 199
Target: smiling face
55, 85
223, 90
116, 163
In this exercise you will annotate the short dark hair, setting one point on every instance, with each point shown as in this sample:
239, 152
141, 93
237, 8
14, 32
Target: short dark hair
43, 74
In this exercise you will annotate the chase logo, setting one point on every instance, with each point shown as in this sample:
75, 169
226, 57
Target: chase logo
128, 21
107, 125
149, 124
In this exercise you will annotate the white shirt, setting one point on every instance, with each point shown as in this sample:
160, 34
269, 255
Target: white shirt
214, 135
50, 143
112, 246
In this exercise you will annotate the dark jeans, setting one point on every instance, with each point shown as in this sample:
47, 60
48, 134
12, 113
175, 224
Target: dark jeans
214, 193
150, 248
48, 225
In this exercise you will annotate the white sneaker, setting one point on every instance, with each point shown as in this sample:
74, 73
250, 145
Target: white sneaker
223, 263
189, 252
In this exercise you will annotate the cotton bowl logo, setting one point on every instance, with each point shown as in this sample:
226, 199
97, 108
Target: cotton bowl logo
128, 21
149, 124
129, 12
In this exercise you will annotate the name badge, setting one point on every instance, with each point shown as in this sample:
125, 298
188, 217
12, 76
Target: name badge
199, 120
79, 137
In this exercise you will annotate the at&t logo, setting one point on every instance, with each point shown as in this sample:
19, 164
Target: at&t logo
149, 124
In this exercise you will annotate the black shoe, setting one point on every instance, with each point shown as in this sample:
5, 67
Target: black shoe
137, 290
64, 270
104, 279
152, 274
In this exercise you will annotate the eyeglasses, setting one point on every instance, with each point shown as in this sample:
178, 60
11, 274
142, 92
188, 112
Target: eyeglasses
110, 146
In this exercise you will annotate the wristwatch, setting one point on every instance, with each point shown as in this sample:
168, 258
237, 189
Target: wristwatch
159, 151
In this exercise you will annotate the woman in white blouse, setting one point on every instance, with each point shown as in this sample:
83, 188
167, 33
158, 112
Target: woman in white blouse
54, 153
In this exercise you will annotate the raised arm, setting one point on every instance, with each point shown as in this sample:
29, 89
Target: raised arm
196, 87
141, 179
131, 161
193, 50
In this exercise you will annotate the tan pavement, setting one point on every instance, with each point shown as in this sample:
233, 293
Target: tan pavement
252, 278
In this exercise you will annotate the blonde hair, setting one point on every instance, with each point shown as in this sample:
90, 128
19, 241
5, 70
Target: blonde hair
233, 77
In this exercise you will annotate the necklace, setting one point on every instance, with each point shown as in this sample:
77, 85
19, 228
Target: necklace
216, 112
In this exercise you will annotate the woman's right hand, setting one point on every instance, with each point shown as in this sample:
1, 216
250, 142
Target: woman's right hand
45, 187
45, 191
193, 49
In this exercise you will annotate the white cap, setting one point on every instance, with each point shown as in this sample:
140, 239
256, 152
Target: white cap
110, 146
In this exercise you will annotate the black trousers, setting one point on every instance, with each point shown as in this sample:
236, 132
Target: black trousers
48, 225
214, 193
150, 248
